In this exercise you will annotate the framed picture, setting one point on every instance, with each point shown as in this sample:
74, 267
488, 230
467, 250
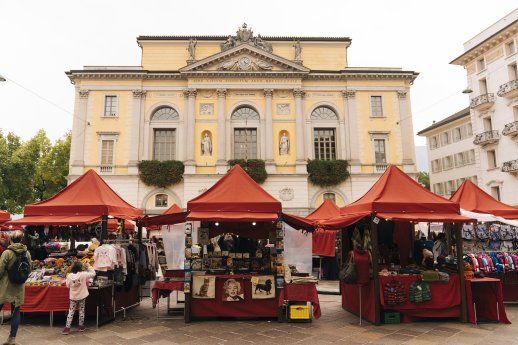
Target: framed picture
203, 236
224, 253
196, 265
187, 264
246, 255
188, 253
263, 287
233, 290
188, 228
204, 287
239, 255
187, 287
188, 241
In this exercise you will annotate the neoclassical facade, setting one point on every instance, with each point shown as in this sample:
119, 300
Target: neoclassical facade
205, 100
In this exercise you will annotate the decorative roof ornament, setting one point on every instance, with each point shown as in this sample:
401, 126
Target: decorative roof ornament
245, 35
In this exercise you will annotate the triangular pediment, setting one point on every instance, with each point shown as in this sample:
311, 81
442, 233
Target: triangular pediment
244, 58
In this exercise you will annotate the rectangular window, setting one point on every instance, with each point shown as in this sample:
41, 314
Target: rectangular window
445, 138
438, 188
110, 106
447, 162
474, 179
481, 64
436, 165
450, 187
324, 143
376, 106
495, 192
491, 159
513, 71
459, 159
457, 134
434, 142
245, 143
482, 85
488, 124
161, 200
380, 154
469, 130
164, 144
471, 156
510, 48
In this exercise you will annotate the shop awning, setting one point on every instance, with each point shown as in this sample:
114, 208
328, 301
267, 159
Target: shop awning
233, 216
425, 217
163, 219
324, 241
343, 221
56, 220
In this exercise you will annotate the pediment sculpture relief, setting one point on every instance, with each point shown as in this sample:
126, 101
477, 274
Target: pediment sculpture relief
245, 63
246, 35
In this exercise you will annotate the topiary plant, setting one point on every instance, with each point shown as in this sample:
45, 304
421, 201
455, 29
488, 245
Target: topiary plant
326, 173
255, 168
161, 173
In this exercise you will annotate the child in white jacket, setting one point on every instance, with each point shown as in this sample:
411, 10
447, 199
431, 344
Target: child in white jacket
76, 282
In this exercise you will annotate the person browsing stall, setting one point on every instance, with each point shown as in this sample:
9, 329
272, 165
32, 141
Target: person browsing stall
15, 266
77, 283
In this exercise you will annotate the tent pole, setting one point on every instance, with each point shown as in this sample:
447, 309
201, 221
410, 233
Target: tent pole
139, 233
104, 228
460, 263
375, 270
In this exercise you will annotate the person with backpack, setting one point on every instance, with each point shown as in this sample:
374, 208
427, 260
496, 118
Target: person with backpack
15, 266
77, 283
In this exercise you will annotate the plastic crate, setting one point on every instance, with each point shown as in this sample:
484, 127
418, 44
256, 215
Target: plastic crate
391, 317
299, 312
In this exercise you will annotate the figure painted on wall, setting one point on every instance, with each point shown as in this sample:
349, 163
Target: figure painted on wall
298, 50
206, 145
192, 48
284, 144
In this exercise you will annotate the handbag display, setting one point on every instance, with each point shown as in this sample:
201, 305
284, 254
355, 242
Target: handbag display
348, 273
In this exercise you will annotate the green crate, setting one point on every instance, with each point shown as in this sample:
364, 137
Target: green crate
391, 317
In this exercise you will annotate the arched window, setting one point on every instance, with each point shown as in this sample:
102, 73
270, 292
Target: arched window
161, 200
246, 120
323, 113
165, 114
245, 113
164, 139
331, 196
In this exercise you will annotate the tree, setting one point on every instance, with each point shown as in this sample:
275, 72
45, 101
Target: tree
424, 179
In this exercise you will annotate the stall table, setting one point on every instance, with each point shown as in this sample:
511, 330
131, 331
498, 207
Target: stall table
306, 292
485, 300
164, 289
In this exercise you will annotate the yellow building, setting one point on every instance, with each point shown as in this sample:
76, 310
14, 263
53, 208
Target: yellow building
205, 100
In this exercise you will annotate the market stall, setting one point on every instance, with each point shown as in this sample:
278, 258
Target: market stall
379, 231
234, 260
79, 214
493, 238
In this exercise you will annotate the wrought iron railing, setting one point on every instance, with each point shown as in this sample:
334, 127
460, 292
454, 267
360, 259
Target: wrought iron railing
484, 98
106, 169
510, 128
507, 87
510, 166
486, 137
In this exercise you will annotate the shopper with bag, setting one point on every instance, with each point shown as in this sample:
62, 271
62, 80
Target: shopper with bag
15, 266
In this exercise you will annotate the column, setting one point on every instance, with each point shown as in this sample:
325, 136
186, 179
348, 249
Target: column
299, 129
78, 133
407, 137
190, 164
134, 130
351, 123
221, 163
270, 163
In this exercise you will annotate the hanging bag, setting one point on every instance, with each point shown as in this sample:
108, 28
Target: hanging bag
348, 273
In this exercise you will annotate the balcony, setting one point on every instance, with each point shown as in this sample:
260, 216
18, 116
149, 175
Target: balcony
486, 138
511, 129
482, 102
106, 169
380, 167
508, 90
510, 166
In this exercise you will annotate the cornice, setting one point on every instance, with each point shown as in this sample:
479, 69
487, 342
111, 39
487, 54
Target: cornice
224, 37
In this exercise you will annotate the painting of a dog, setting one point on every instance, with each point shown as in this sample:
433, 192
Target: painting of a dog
264, 288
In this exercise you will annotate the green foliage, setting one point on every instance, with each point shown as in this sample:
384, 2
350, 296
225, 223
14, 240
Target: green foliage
31, 171
424, 179
161, 174
255, 168
326, 173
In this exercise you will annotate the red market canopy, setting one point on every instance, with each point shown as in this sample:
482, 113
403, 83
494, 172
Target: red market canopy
326, 211
173, 209
472, 198
324, 241
4, 216
80, 202
397, 196
235, 193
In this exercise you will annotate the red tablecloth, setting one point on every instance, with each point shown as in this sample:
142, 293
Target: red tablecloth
44, 299
301, 293
248, 308
486, 293
351, 299
164, 289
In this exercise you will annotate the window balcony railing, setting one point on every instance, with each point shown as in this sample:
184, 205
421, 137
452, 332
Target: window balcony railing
483, 101
486, 138
380, 167
106, 169
509, 89
510, 166
511, 129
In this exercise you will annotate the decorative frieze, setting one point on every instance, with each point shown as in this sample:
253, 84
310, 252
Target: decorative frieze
139, 93
206, 108
283, 108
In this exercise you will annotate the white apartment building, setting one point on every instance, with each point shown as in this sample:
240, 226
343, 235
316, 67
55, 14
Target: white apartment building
451, 152
490, 59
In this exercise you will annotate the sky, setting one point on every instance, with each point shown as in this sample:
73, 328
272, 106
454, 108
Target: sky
40, 40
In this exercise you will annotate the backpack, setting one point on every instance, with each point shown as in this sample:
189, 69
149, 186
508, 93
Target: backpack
506, 232
20, 269
467, 232
482, 232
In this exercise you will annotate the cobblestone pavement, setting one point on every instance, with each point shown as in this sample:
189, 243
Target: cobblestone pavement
335, 326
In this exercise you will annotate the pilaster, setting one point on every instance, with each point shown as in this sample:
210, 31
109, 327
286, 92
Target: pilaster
351, 130
78, 133
221, 163
190, 163
300, 162
405, 125
270, 163
134, 130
